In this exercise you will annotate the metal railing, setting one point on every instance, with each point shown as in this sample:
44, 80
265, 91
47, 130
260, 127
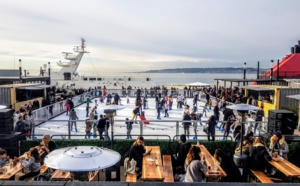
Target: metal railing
118, 128
46, 113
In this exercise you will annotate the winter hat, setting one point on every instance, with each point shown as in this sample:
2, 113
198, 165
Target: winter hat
279, 136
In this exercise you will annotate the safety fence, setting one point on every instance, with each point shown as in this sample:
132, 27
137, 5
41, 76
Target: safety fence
117, 129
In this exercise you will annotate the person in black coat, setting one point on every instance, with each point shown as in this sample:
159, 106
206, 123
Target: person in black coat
211, 128
182, 149
216, 112
116, 99
259, 156
227, 164
137, 152
101, 126
186, 125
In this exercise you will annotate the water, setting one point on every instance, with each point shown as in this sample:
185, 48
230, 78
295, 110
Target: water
185, 78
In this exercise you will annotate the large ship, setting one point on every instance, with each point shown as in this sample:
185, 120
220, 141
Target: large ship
68, 77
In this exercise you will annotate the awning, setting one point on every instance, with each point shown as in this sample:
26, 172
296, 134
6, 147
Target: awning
46, 86
30, 88
198, 84
36, 87
256, 88
297, 96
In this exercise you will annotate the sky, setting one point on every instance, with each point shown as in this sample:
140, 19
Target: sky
139, 35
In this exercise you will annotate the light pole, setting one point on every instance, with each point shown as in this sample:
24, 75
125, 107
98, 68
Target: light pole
20, 70
240, 159
271, 71
244, 73
49, 72
111, 113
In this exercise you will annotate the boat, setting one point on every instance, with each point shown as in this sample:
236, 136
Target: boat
68, 77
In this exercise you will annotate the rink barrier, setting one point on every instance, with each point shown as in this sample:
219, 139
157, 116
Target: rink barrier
120, 124
203, 136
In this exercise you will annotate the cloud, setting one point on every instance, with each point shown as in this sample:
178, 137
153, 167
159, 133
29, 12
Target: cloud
151, 34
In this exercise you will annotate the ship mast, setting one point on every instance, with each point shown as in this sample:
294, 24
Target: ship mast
74, 60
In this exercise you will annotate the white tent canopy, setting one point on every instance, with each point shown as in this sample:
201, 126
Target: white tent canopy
82, 158
198, 84
243, 107
114, 107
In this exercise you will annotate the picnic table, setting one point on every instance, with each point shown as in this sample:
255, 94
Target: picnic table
14, 169
60, 175
287, 168
152, 165
210, 160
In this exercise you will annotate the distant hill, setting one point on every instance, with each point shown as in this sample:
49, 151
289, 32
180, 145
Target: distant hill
206, 70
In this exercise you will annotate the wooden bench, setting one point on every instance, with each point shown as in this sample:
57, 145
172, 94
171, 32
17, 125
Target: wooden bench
261, 176
131, 177
43, 169
60, 175
168, 170
92, 175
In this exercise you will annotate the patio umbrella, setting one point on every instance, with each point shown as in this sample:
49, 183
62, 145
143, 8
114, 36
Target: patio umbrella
242, 107
241, 159
3, 107
114, 107
82, 158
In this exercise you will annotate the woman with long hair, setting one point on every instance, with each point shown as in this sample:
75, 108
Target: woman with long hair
47, 145
227, 164
259, 156
33, 163
137, 152
195, 169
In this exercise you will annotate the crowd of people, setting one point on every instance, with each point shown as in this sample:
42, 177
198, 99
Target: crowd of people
33, 159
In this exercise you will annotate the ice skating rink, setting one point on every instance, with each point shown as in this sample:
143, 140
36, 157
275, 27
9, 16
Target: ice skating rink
58, 126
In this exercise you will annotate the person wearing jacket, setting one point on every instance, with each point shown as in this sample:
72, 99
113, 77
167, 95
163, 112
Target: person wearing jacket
195, 169
279, 145
227, 164
101, 126
259, 156
33, 163
21, 127
187, 123
129, 128
137, 152
73, 117
211, 128
181, 150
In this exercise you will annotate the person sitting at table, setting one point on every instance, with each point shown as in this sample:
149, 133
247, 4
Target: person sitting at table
227, 164
137, 152
3, 157
249, 137
182, 148
245, 148
47, 146
259, 156
279, 145
33, 163
195, 169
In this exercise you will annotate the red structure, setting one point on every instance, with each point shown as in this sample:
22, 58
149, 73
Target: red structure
289, 67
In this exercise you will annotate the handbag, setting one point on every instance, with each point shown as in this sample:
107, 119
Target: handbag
129, 166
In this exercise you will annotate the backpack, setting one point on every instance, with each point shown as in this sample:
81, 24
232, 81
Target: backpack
42, 177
